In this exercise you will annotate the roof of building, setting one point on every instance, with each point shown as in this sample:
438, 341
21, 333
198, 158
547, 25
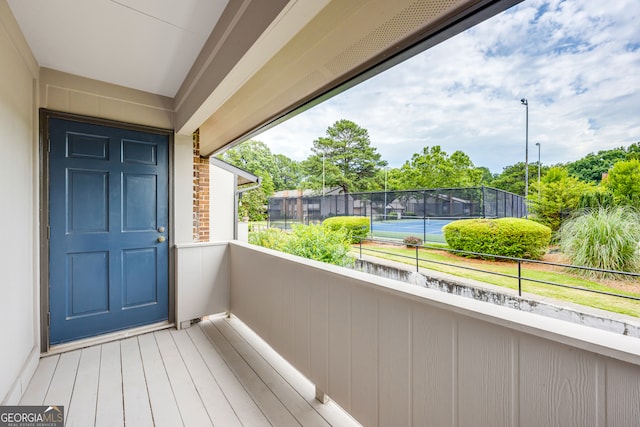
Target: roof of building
244, 177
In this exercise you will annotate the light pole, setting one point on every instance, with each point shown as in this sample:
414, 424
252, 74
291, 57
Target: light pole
539, 164
524, 102
323, 173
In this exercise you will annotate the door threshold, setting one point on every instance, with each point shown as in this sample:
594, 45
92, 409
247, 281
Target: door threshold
102, 339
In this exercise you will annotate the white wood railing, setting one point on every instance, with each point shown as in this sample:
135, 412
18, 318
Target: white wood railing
397, 354
203, 280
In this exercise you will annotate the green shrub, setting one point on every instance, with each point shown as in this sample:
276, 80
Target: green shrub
559, 197
596, 199
321, 243
513, 237
412, 241
624, 182
310, 241
272, 238
604, 238
357, 227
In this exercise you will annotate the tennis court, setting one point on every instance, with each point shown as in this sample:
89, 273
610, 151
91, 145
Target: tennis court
398, 214
426, 228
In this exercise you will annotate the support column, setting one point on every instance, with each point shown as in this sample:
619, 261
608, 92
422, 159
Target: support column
201, 196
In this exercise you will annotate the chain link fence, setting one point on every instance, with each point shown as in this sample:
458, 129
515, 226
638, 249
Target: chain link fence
397, 214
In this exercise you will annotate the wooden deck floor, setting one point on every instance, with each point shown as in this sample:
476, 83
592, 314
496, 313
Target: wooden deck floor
214, 373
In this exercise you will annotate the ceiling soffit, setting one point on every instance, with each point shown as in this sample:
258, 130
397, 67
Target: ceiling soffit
219, 68
148, 45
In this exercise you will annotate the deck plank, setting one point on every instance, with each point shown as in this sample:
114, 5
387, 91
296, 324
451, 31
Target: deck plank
64, 378
134, 388
247, 410
330, 411
214, 400
82, 409
216, 373
295, 403
268, 402
109, 407
191, 407
40, 382
163, 403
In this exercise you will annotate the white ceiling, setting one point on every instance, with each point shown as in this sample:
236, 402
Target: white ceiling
125, 42
236, 67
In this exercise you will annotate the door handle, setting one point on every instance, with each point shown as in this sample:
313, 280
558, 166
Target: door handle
161, 239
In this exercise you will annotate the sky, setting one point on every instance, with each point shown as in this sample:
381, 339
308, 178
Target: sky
577, 62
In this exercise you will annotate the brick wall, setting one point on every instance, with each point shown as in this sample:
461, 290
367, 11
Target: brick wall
200, 193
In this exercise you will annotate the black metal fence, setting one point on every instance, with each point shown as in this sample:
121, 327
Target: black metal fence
419, 205
418, 261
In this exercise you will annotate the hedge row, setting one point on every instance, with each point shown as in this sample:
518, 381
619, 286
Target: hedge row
512, 237
357, 227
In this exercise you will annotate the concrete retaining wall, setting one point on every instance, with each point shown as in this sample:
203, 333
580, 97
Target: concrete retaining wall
503, 297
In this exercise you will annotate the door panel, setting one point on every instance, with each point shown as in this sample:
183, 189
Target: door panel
88, 283
108, 199
87, 201
139, 277
139, 202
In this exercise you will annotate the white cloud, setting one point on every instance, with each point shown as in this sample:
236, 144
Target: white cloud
576, 62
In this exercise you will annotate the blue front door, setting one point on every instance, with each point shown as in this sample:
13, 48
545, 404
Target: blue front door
108, 218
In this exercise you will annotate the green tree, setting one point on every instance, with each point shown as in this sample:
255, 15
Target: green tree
377, 182
487, 176
257, 158
624, 182
288, 173
252, 156
559, 197
591, 167
278, 172
350, 161
434, 168
253, 203
512, 178
633, 151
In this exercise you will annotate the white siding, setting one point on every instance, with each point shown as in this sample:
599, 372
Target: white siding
395, 354
221, 204
183, 189
18, 211
73, 94
202, 280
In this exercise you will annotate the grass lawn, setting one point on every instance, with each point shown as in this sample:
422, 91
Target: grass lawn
529, 270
